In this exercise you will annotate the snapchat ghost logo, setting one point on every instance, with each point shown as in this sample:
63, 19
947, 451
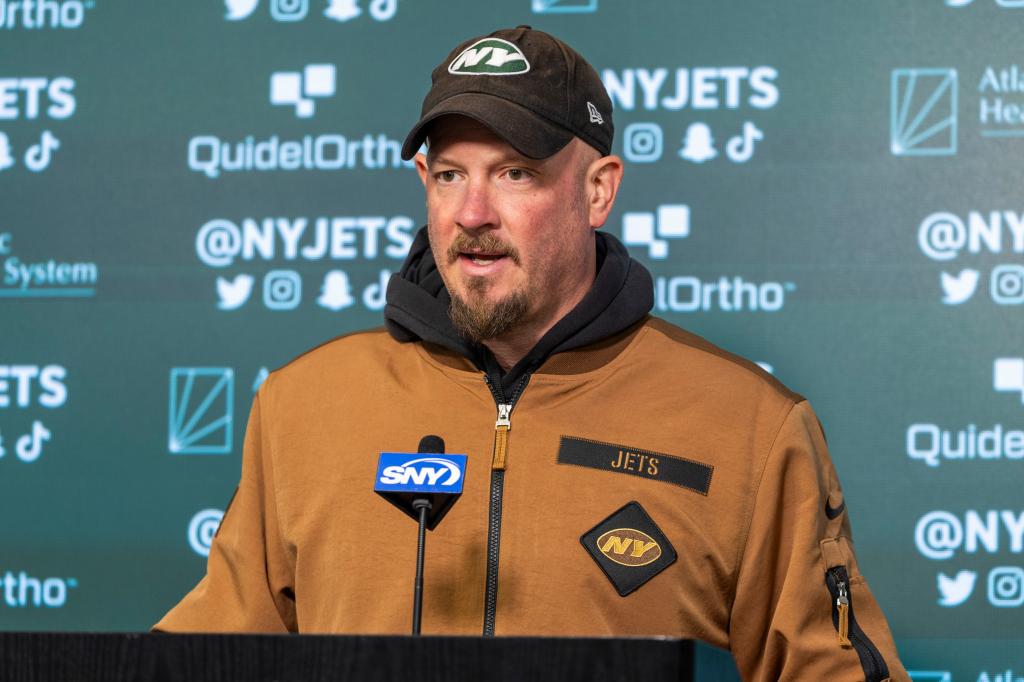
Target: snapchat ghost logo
336, 292
342, 10
698, 145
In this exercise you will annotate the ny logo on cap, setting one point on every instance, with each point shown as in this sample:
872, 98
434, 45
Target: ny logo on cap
490, 57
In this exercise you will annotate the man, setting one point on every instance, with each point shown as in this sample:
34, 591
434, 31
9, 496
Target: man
636, 480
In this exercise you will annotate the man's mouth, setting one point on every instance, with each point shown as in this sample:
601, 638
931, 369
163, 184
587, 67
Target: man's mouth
484, 251
481, 258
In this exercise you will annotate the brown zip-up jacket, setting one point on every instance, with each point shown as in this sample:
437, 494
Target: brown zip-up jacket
744, 540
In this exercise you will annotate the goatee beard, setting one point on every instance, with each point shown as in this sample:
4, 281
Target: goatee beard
479, 320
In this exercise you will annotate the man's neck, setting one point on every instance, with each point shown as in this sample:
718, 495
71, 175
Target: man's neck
512, 346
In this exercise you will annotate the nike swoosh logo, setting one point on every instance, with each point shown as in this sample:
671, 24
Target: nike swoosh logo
832, 512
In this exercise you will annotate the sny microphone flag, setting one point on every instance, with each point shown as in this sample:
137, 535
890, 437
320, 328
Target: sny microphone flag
402, 472
403, 477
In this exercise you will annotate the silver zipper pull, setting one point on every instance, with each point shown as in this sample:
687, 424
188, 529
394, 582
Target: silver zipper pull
843, 598
504, 417
843, 613
501, 429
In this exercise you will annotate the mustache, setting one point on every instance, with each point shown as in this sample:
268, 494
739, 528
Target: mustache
485, 243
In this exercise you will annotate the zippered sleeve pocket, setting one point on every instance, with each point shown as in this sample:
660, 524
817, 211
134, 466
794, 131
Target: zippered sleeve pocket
848, 632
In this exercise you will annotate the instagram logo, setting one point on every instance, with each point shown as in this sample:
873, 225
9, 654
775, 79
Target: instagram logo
1006, 586
642, 142
289, 10
1007, 285
282, 290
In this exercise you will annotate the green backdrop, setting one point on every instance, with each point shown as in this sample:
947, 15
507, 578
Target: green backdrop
192, 193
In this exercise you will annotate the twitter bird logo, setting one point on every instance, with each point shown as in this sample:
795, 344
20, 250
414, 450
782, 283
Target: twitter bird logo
234, 293
956, 590
959, 288
239, 9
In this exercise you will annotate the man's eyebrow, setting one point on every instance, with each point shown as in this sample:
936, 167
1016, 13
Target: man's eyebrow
440, 159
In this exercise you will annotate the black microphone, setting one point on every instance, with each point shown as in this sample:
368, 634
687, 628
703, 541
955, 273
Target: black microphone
425, 488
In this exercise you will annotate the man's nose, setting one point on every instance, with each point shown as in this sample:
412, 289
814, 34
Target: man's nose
477, 208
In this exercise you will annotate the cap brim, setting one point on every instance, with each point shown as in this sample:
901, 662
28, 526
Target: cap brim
530, 135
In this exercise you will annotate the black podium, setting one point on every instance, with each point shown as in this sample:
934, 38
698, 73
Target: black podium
28, 657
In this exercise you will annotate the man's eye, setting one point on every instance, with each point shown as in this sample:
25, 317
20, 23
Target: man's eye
517, 174
446, 176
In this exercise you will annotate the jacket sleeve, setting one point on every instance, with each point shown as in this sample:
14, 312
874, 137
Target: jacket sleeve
248, 581
786, 618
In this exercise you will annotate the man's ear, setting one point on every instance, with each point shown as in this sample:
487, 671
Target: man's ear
603, 179
421, 167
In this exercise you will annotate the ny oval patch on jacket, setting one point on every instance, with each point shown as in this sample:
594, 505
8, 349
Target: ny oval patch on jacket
629, 547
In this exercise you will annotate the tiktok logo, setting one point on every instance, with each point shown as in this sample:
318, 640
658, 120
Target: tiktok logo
741, 148
37, 158
30, 446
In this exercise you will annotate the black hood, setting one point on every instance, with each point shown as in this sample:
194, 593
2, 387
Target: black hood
417, 307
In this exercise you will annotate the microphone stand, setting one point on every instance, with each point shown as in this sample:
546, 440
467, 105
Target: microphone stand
423, 507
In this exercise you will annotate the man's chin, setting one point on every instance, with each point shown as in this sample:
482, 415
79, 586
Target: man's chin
478, 287
486, 291
479, 317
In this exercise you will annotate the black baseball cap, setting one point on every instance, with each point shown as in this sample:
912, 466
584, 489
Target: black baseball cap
530, 88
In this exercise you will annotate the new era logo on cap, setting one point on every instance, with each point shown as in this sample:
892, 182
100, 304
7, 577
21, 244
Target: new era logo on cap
595, 115
490, 57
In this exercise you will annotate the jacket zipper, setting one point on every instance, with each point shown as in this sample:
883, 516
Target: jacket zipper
501, 429
499, 460
848, 631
